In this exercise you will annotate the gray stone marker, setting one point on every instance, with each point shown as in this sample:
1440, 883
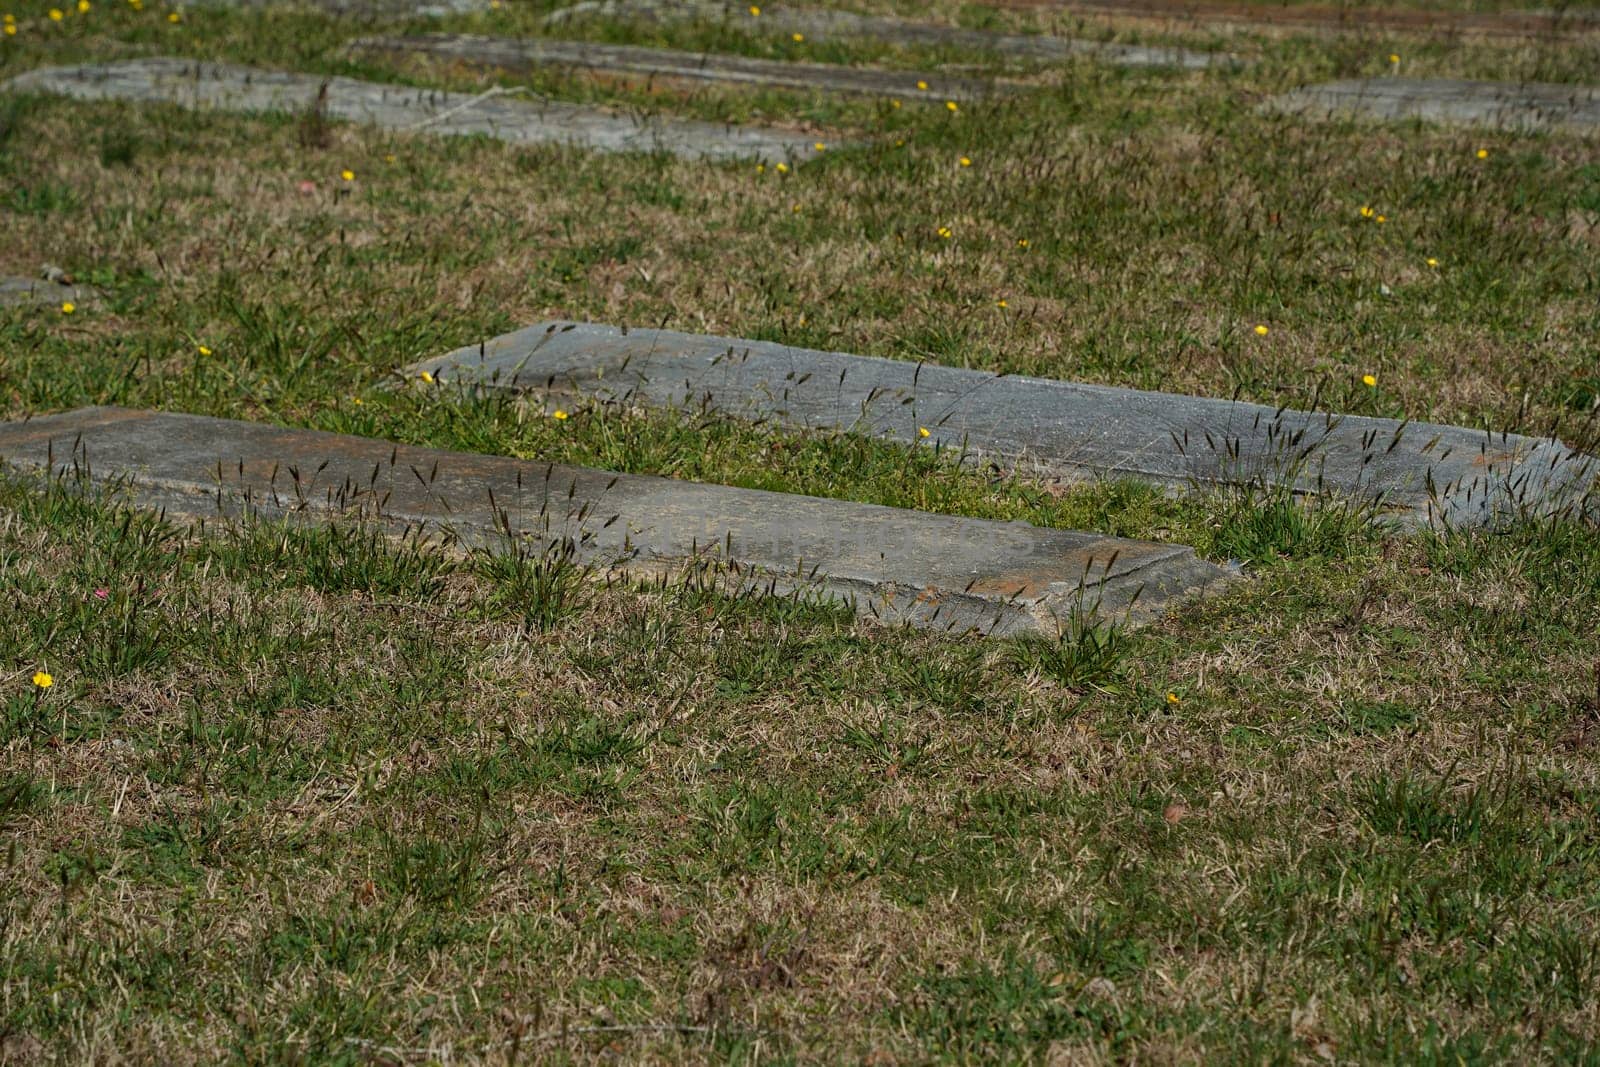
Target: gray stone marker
526, 53
843, 25
34, 292
406, 109
900, 566
1502, 105
1415, 471
364, 9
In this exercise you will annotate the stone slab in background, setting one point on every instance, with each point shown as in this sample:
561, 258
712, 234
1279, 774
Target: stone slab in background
407, 109
1500, 105
1417, 471
934, 571
843, 26
526, 53
35, 292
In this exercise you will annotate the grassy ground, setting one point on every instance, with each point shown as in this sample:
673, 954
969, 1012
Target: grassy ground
319, 797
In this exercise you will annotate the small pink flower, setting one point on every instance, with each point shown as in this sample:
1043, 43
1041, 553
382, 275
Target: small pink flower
101, 594
308, 187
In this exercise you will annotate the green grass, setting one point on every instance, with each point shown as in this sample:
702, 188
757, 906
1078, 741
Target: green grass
315, 795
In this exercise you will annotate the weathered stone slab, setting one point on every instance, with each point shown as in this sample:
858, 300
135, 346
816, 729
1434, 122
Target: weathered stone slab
899, 566
1416, 471
821, 25
406, 109
1501, 105
526, 53
35, 292
372, 10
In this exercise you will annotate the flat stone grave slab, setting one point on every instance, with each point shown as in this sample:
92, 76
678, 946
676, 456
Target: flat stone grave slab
843, 26
899, 566
1415, 471
527, 53
372, 10
37, 292
1501, 105
407, 109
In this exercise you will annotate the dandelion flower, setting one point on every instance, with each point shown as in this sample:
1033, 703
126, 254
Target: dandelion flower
348, 175
1366, 211
1022, 242
1383, 218
55, 14
68, 308
820, 147
754, 11
1395, 59
945, 232
895, 104
1483, 153
1369, 380
1432, 262
795, 209
761, 168
922, 85
950, 105
43, 680
389, 158
11, 29
1001, 304
174, 18
1261, 330
427, 377
559, 415
923, 431
1172, 698
783, 168
797, 38
83, 7
357, 401
202, 349
966, 162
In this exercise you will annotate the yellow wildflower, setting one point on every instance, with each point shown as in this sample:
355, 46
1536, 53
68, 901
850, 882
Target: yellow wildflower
761, 168
1383, 218
1001, 304
945, 232
1172, 698
55, 14
202, 349
427, 377
1261, 330
820, 147
11, 29
783, 168
1022, 242
83, 7
1366, 211
357, 401
68, 308
1483, 153
895, 104
43, 680
923, 431
798, 37
966, 162
754, 11
950, 105
922, 85
348, 175
1432, 262
1369, 380
174, 18
1394, 58
559, 415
